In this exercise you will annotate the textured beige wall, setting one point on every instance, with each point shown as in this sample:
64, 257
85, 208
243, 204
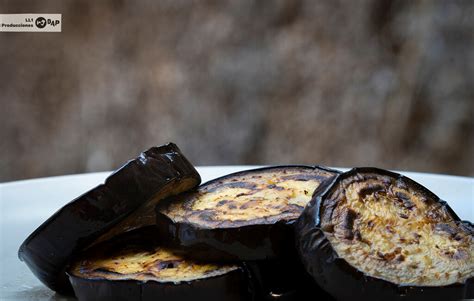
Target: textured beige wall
341, 83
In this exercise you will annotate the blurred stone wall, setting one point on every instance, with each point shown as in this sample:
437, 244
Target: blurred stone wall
341, 83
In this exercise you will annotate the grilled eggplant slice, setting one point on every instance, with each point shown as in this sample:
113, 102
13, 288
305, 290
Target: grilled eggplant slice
241, 216
133, 266
125, 201
385, 237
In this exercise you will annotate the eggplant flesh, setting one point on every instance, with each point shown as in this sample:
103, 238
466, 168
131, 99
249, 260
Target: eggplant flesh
106, 210
250, 197
143, 264
241, 216
134, 266
385, 236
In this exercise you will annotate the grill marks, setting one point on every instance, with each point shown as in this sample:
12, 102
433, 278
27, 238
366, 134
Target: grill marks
391, 255
387, 228
405, 200
369, 189
233, 184
348, 224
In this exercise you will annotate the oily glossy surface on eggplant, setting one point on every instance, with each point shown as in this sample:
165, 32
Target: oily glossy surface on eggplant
106, 210
133, 266
385, 236
241, 216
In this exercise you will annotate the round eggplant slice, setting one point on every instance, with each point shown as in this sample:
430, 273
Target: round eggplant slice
242, 216
134, 267
372, 234
125, 201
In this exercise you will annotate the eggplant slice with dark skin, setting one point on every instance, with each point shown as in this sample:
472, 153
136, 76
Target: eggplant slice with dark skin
133, 266
124, 202
372, 234
246, 215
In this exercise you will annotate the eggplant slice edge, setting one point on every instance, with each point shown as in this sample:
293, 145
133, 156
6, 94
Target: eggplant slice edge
158, 172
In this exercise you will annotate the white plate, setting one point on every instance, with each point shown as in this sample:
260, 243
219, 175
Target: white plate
24, 205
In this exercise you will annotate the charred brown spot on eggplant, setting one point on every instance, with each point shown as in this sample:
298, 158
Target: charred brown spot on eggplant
403, 227
261, 196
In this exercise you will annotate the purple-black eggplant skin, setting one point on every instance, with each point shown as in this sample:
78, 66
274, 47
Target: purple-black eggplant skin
284, 280
49, 248
232, 286
253, 242
343, 281
248, 242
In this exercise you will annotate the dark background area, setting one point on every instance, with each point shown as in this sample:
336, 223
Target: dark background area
339, 83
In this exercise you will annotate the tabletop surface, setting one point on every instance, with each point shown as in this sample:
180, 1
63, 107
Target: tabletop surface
24, 205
